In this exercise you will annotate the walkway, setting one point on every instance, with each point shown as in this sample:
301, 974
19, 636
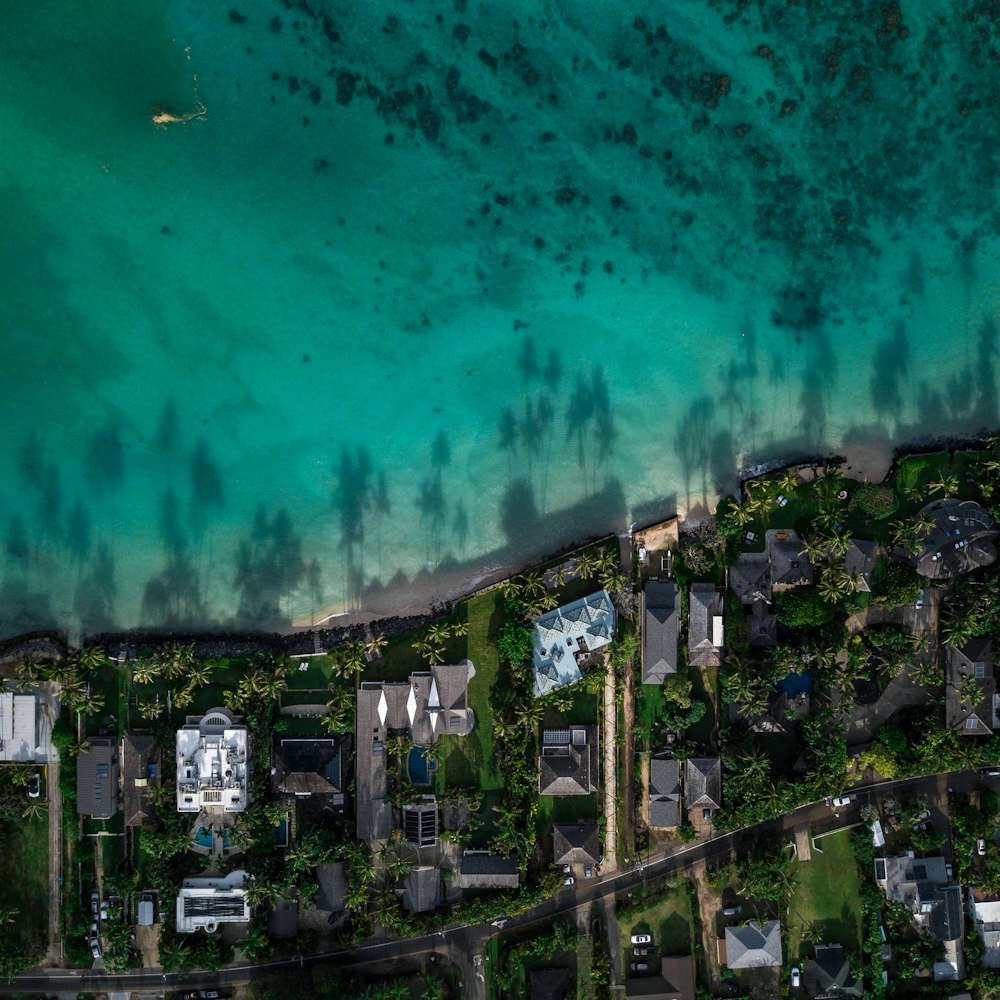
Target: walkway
610, 774
54, 796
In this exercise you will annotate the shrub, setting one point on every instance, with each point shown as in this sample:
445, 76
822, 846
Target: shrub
898, 585
802, 607
875, 500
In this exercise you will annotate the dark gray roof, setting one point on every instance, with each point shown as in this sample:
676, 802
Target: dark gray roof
969, 661
138, 753
664, 793
332, 890
750, 577
569, 769
860, 559
828, 975
762, 626
675, 981
660, 624
307, 766
923, 886
421, 889
97, 780
283, 918
790, 567
962, 539
703, 783
754, 946
946, 923
576, 843
479, 870
704, 604
549, 984
373, 811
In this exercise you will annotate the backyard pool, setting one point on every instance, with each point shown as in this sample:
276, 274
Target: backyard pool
795, 684
419, 767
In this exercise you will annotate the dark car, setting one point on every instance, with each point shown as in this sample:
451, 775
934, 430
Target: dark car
642, 952
34, 785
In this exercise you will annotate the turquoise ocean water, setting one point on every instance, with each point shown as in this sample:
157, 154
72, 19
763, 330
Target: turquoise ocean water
434, 287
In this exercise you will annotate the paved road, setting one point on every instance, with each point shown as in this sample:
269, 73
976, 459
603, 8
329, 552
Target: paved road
469, 941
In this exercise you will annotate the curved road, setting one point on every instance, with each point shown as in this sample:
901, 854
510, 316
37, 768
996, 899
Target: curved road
459, 944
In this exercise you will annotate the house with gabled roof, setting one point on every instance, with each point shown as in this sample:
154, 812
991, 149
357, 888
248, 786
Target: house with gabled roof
703, 786
750, 577
664, 793
140, 764
568, 762
420, 890
661, 616
762, 626
972, 662
97, 775
482, 870
566, 637
789, 563
859, 562
304, 766
753, 946
963, 538
828, 974
923, 886
705, 625
576, 843
675, 981
431, 703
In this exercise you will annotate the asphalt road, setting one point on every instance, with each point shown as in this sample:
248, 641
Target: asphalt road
462, 944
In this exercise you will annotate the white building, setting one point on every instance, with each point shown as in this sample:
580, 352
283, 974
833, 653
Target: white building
567, 635
212, 765
18, 713
204, 903
986, 916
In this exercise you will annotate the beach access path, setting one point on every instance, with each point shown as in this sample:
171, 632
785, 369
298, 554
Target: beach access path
610, 773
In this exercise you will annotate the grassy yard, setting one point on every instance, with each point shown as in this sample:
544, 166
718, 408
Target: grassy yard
24, 871
666, 916
825, 905
649, 704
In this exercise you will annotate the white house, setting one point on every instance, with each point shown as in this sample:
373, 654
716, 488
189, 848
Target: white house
566, 636
18, 713
204, 903
212, 768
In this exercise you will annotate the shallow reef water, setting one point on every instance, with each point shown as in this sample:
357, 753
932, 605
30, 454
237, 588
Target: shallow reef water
425, 287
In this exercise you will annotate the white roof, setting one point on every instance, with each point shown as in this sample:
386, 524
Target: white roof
17, 727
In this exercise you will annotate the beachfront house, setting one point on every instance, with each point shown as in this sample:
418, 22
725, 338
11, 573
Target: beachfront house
962, 539
661, 614
18, 732
431, 703
97, 783
787, 559
564, 639
705, 626
212, 764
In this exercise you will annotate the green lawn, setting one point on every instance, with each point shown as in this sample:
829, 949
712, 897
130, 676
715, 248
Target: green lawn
825, 900
667, 916
316, 677
24, 871
649, 703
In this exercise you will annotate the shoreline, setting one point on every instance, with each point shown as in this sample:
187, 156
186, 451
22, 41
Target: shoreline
402, 606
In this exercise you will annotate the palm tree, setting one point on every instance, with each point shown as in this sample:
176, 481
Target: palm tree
78, 747
969, 692
91, 705
92, 657
150, 709
183, 697
145, 671
460, 629
532, 582
428, 651
922, 525
34, 808
375, 645
753, 766
199, 674
27, 671
557, 576
528, 713
439, 633
587, 565
789, 481
741, 513
928, 673
829, 588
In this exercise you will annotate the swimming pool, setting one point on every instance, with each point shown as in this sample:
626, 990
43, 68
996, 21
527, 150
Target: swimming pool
419, 767
795, 684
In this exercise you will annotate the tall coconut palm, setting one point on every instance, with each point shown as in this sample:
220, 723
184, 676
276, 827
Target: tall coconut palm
145, 671
150, 709
439, 633
459, 629
969, 692
199, 674
789, 481
428, 651
78, 747
92, 705
558, 576
528, 713
34, 808
92, 657
375, 645
922, 524
183, 697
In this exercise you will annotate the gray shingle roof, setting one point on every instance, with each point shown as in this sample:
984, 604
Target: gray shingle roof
703, 783
97, 780
571, 769
307, 766
332, 889
675, 982
576, 843
922, 885
750, 577
754, 946
762, 626
860, 559
421, 889
705, 603
487, 871
549, 984
972, 659
138, 753
660, 624
789, 566
828, 975
664, 793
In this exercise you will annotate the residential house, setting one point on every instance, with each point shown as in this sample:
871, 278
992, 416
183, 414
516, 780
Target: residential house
305, 766
705, 626
660, 624
828, 974
576, 843
482, 870
750, 577
566, 637
922, 885
664, 793
790, 566
985, 913
204, 903
212, 764
773, 720
568, 763
702, 787
753, 946
859, 562
762, 626
18, 721
420, 821
331, 891
420, 890
97, 779
971, 662
963, 539
140, 764
430, 703
675, 981
550, 984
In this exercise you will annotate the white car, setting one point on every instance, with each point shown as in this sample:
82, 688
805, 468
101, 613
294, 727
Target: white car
796, 978
980, 847
842, 800
567, 869
95, 948
642, 939
919, 603
569, 880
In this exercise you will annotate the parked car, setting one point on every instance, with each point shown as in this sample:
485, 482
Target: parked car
34, 785
104, 910
95, 902
642, 952
642, 939
588, 872
95, 947
919, 603
796, 977
992, 773
93, 929
948, 870
569, 880
733, 911
638, 966
567, 869
980, 847
843, 800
